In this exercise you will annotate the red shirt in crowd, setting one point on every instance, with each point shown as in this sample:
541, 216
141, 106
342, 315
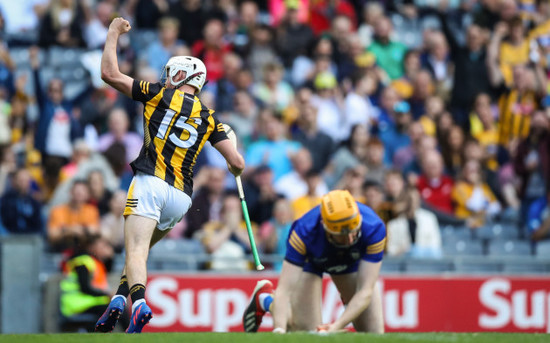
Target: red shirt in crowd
437, 193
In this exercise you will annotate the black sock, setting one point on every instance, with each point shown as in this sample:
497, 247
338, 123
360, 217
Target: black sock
137, 292
123, 287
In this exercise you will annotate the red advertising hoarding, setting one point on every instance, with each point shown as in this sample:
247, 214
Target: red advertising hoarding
413, 304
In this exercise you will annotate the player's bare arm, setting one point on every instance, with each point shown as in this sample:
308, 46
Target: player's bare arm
110, 73
281, 311
367, 277
235, 161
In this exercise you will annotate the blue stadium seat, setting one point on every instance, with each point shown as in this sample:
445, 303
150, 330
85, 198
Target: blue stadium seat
390, 265
462, 247
497, 231
507, 247
478, 267
533, 267
427, 266
543, 249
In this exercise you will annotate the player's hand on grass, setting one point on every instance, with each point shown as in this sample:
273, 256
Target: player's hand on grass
120, 25
329, 328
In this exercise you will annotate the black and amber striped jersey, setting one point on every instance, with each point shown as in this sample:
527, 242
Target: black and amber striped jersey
176, 126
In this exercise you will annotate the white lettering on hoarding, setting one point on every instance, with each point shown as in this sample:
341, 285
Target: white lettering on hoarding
408, 319
229, 307
156, 297
494, 295
203, 316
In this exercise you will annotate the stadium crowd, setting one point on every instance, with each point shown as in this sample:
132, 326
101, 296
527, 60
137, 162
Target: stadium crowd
430, 112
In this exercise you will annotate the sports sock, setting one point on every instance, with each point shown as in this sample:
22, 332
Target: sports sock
123, 287
265, 300
137, 292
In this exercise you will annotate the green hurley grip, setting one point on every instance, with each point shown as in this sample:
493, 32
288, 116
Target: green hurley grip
257, 262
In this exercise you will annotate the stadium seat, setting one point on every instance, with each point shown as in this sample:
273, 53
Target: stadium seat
507, 247
391, 266
477, 267
543, 249
454, 233
497, 231
533, 267
427, 266
463, 247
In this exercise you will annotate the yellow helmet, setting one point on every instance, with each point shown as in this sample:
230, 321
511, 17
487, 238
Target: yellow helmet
340, 213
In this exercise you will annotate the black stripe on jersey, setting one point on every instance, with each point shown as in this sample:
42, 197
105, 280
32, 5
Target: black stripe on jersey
192, 151
169, 149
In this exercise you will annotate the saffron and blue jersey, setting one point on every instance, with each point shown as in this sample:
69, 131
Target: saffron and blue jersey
308, 246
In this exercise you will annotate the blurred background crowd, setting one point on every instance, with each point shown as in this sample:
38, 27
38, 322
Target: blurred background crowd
434, 113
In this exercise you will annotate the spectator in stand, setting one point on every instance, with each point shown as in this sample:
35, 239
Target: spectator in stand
100, 196
532, 163
396, 136
191, 17
435, 188
20, 212
246, 21
351, 153
273, 91
520, 100
438, 62
415, 232
243, 117
538, 219
74, 220
353, 180
375, 160
81, 154
452, 150
484, 128
275, 231
434, 107
57, 125
261, 52
119, 125
212, 48
323, 12
62, 25
148, 13
330, 106
389, 54
318, 60
275, 149
470, 70
293, 36
472, 197
226, 87
396, 195
97, 24
513, 48
358, 107
411, 66
112, 223
226, 239
160, 51
423, 89
305, 203
207, 201
405, 155
372, 10
319, 144
261, 195
375, 198
294, 185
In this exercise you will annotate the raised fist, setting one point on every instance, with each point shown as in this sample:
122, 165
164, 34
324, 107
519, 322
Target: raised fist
120, 25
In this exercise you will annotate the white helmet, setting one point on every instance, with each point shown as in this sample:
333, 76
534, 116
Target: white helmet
194, 69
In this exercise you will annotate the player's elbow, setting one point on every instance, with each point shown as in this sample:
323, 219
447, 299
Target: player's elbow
106, 75
237, 164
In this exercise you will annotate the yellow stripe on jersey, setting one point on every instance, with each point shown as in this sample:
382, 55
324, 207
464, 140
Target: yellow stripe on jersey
147, 88
151, 106
220, 127
297, 243
160, 165
179, 153
377, 247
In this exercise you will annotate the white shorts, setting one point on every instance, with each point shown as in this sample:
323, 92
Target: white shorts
151, 197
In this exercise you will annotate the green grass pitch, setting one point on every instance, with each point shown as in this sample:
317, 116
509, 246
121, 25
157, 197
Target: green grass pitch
208, 337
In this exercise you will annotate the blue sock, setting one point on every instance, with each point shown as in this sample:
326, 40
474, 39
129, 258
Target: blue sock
267, 302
